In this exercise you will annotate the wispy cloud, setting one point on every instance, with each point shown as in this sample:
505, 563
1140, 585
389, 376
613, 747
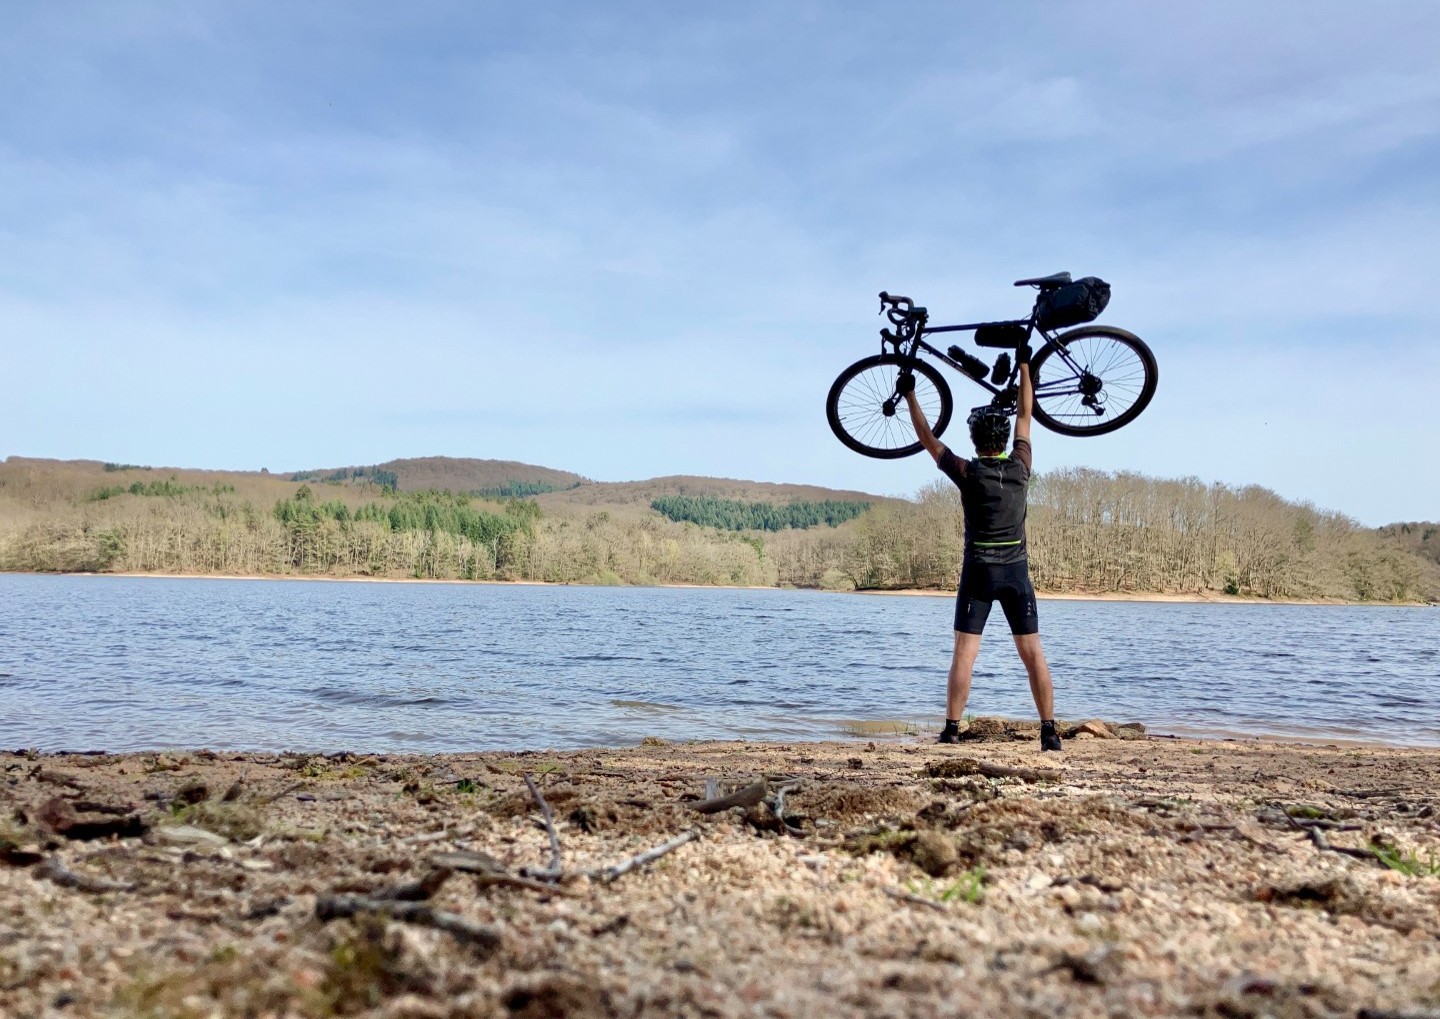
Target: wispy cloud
632, 241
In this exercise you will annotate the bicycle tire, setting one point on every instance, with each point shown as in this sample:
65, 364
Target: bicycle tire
854, 405
1064, 412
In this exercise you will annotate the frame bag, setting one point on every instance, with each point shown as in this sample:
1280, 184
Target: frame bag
1001, 334
1072, 304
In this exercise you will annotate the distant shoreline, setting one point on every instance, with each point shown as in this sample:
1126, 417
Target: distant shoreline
1122, 596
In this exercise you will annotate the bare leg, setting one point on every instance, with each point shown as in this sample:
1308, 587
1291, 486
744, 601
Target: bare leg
967, 646
1028, 644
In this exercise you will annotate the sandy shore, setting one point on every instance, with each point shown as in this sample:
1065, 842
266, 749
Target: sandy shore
1125, 596
1123, 877
1207, 598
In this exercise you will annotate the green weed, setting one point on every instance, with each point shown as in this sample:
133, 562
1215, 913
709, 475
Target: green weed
1408, 864
968, 888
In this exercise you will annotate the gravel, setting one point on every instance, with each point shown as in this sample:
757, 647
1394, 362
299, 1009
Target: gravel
1149, 876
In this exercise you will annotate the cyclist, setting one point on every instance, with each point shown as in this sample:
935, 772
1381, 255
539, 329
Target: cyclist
993, 488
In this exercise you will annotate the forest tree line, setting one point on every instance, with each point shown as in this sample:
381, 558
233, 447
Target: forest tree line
740, 515
1103, 532
1089, 531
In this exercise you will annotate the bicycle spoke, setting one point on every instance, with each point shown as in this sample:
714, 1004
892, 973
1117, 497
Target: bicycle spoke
860, 407
1068, 373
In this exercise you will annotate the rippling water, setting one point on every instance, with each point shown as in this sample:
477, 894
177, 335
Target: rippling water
121, 663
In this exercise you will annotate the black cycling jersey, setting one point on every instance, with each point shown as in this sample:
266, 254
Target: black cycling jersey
993, 490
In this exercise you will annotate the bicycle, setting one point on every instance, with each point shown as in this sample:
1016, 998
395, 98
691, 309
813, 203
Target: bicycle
1087, 381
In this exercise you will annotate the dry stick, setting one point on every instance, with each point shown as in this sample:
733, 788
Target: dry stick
915, 900
746, 797
780, 792
53, 870
1201, 830
433, 836
1318, 822
296, 787
1318, 837
511, 881
490, 871
549, 822
483, 938
649, 856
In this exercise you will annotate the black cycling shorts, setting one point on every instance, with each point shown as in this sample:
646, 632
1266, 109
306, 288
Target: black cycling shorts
982, 584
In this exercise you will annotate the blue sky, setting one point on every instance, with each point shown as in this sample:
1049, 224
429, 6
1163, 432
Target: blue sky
634, 239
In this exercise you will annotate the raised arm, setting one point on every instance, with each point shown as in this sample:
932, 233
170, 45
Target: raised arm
1027, 396
932, 445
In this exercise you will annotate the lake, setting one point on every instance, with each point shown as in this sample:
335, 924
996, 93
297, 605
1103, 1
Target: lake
132, 663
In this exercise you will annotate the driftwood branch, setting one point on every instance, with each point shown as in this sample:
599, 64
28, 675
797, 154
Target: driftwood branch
615, 870
483, 938
549, 821
746, 797
649, 856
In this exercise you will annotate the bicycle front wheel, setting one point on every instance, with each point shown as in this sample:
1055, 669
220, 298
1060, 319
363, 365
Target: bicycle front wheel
1093, 380
866, 414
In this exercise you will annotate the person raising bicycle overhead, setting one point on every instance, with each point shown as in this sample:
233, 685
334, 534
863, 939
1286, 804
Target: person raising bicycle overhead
993, 491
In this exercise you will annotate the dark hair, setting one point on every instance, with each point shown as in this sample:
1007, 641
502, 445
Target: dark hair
989, 429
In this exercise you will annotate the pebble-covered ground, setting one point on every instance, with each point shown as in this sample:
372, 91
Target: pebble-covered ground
1128, 876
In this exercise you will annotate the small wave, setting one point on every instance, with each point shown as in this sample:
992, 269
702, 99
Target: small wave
376, 700
643, 706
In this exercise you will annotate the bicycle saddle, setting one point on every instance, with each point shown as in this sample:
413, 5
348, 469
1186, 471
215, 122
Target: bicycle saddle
1057, 279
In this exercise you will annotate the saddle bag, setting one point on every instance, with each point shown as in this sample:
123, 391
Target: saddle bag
1000, 334
1072, 304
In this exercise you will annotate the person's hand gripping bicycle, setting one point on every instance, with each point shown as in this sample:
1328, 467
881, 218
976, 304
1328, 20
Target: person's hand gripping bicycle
905, 386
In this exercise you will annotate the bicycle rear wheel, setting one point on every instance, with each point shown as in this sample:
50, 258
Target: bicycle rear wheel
1093, 380
867, 416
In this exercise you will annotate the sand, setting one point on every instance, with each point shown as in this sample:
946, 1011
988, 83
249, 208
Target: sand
1125, 877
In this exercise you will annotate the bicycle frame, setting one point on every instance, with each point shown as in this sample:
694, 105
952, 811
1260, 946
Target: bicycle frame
913, 330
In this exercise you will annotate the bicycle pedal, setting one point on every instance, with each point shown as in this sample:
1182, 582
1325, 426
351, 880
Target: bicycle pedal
1001, 371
